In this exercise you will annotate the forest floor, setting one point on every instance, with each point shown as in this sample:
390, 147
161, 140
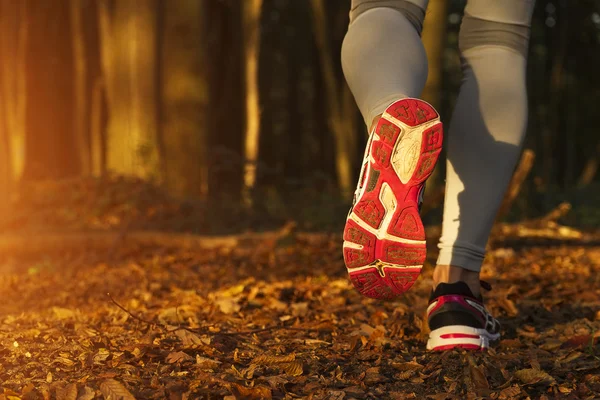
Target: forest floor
123, 314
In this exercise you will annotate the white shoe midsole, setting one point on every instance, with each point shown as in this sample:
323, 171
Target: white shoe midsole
460, 335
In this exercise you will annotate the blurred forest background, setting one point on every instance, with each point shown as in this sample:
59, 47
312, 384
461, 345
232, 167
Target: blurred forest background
225, 114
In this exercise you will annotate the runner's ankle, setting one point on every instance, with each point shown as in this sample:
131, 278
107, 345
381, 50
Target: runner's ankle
451, 274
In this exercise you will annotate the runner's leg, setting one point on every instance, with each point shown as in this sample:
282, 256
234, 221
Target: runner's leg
382, 55
486, 132
386, 67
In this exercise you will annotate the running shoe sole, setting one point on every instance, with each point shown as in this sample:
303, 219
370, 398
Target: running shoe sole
384, 238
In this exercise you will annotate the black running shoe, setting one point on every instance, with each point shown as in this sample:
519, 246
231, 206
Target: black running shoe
459, 319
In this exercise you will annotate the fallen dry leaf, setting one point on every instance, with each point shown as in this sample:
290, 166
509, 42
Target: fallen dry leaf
293, 368
265, 359
509, 392
114, 390
178, 357
190, 339
87, 394
408, 366
580, 341
251, 393
478, 376
531, 376
206, 362
405, 375
67, 393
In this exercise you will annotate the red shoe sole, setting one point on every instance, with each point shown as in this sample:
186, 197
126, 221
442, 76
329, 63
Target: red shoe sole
384, 238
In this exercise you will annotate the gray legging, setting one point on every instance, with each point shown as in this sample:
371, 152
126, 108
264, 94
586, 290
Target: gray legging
384, 60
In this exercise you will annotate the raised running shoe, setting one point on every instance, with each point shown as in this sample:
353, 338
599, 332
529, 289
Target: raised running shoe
384, 238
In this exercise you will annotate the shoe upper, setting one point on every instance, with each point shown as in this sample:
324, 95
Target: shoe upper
454, 304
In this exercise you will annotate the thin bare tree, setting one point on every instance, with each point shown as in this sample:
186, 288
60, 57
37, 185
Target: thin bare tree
251, 11
50, 150
556, 89
13, 42
340, 123
80, 116
434, 40
5, 153
5, 160
97, 135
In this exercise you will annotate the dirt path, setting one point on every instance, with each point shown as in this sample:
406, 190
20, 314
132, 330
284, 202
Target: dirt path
305, 332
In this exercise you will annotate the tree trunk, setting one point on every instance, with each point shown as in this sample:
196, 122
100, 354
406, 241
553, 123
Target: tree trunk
185, 96
226, 99
434, 39
50, 151
5, 153
129, 60
556, 90
251, 11
97, 125
339, 124
81, 94
5, 160
13, 39
97, 24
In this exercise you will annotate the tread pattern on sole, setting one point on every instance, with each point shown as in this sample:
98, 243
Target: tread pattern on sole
371, 283
385, 255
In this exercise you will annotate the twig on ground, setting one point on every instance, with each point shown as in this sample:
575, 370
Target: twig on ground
514, 188
248, 332
544, 227
560, 211
206, 331
129, 312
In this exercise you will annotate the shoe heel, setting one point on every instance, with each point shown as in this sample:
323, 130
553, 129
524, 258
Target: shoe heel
384, 281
